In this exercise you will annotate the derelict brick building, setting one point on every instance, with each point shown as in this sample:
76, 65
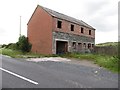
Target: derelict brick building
51, 32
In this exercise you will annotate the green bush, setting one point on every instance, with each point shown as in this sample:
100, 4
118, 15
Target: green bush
23, 44
12, 46
9, 46
4, 46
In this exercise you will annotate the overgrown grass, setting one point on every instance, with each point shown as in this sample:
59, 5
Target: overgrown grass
109, 62
108, 44
19, 54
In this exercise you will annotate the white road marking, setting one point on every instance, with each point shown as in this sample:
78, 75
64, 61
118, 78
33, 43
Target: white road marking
19, 76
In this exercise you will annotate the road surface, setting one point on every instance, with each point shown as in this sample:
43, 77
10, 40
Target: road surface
19, 73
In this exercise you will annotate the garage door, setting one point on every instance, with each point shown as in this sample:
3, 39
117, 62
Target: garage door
61, 47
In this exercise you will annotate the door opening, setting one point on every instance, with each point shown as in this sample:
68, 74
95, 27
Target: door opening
61, 47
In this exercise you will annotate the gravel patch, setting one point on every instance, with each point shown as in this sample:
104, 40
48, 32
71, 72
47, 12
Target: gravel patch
55, 59
65, 60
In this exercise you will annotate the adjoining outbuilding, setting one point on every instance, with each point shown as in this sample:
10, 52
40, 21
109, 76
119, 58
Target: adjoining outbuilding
51, 32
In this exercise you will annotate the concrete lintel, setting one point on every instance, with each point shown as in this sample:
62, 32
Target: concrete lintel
61, 40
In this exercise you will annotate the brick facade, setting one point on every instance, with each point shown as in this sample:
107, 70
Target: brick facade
47, 37
40, 32
77, 28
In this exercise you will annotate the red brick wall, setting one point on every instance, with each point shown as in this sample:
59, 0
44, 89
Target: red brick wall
40, 31
77, 29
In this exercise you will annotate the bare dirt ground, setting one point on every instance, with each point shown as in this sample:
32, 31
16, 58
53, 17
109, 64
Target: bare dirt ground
84, 62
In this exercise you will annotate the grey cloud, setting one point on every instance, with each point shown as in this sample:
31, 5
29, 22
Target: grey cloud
102, 24
93, 6
102, 15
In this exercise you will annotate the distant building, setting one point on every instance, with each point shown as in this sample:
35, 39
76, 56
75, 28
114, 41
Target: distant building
51, 32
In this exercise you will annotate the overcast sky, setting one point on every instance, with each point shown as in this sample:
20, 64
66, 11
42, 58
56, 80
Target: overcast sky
101, 14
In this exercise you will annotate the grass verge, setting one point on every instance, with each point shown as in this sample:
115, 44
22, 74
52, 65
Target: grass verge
19, 54
109, 62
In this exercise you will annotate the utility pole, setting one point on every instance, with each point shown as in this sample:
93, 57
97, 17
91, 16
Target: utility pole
20, 27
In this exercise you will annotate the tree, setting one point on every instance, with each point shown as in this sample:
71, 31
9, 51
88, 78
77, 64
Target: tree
4, 46
23, 44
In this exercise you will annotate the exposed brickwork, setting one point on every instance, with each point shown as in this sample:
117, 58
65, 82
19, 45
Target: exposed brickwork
43, 34
77, 28
40, 32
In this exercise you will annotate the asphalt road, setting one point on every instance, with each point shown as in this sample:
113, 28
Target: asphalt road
17, 73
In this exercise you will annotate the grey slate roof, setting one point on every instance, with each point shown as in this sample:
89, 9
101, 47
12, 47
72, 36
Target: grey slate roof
65, 17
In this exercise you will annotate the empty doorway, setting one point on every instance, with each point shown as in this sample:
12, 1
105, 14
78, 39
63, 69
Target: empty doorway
61, 47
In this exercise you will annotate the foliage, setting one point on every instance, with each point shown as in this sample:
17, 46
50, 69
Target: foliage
108, 44
119, 50
11, 46
109, 62
10, 52
108, 48
18, 54
103, 60
4, 46
23, 44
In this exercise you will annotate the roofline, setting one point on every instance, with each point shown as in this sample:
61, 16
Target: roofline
32, 14
35, 11
65, 19
59, 18
45, 10
73, 22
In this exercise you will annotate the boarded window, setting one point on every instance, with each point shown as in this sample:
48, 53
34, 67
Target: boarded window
59, 24
72, 27
84, 45
79, 46
74, 45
